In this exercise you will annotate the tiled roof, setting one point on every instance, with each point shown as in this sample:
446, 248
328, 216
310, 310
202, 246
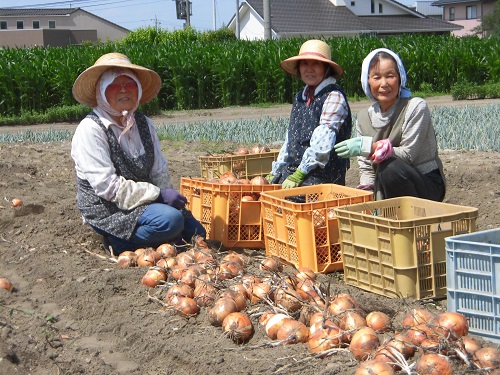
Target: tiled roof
290, 16
321, 16
407, 24
5, 12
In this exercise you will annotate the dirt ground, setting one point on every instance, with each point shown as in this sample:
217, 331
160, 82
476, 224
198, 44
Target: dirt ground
74, 311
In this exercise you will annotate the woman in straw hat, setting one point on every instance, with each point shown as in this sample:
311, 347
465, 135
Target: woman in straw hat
124, 188
395, 141
320, 117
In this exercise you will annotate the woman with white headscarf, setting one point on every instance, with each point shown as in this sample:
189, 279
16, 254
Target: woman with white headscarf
395, 140
124, 188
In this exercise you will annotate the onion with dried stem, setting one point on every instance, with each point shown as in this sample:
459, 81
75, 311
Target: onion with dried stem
238, 327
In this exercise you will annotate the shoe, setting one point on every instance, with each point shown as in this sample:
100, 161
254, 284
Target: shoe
106, 245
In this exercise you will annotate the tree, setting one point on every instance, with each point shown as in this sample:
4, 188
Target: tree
490, 25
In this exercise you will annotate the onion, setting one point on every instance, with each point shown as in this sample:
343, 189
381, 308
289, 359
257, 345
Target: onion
166, 250
326, 336
339, 305
288, 299
148, 258
260, 291
222, 308
228, 178
233, 256
316, 317
305, 273
271, 264
242, 151
307, 312
185, 305
264, 318
487, 357
166, 263
374, 367
185, 259
363, 342
259, 180
154, 277
433, 364
378, 320
238, 327
244, 181
6, 284
239, 288
179, 290
274, 323
190, 275
248, 282
247, 198
139, 251
429, 346
470, 345
416, 316
176, 271
204, 294
228, 270
292, 332
451, 322
419, 333
16, 202
239, 299
351, 321
127, 259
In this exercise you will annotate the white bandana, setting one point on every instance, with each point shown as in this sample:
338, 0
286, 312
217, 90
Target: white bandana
127, 117
403, 91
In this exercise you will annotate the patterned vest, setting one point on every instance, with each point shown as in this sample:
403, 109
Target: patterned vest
303, 121
104, 214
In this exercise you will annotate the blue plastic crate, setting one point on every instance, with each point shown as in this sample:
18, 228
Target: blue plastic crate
473, 280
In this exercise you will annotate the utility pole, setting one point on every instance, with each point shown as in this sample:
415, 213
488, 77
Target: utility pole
215, 16
237, 19
267, 20
188, 16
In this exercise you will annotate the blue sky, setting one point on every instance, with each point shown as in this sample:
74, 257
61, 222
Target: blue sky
133, 14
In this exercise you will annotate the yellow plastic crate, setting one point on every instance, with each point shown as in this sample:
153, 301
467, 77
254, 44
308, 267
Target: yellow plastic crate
300, 226
223, 214
244, 166
396, 247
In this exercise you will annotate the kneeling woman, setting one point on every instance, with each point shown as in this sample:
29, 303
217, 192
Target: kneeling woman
124, 188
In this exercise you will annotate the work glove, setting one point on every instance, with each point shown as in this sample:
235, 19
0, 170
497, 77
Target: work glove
349, 147
294, 180
173, 198
270, 178
383, 151
366, 187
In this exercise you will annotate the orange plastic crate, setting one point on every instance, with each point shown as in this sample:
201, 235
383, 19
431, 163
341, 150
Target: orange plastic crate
244, 166
396, 247
223, 214
300, 226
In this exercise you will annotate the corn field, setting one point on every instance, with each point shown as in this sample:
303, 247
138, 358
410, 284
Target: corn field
457, 128
199, 72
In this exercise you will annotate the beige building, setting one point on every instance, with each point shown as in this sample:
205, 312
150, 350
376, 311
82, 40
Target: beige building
54, 27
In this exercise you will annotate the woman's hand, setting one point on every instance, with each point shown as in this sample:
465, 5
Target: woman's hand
173, 198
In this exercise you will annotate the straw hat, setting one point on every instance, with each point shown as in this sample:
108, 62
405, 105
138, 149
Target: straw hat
312, 50
85, 84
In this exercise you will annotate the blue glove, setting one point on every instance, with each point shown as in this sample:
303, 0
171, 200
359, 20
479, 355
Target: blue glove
173, 198
294, 180
349, 148
269, 178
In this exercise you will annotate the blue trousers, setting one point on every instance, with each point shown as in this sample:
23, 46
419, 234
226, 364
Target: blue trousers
159, 224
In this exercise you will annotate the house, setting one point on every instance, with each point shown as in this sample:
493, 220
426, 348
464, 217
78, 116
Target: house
54, 27
427, 9
466, 13
335, 18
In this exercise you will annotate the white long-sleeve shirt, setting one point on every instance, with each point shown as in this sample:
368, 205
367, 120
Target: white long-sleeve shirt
91, 154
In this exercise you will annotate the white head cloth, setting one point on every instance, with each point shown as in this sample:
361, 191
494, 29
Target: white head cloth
127, 117
403, 91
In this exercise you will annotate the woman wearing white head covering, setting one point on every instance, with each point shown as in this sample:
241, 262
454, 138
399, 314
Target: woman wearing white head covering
124, 188
395, 140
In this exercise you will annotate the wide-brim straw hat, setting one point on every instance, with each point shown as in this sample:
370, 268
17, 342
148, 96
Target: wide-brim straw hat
84, 86
312, 50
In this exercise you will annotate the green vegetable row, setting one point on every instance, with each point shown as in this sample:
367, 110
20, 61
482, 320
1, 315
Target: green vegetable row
204, 70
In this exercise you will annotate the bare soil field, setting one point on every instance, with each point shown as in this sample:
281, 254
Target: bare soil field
74, 311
